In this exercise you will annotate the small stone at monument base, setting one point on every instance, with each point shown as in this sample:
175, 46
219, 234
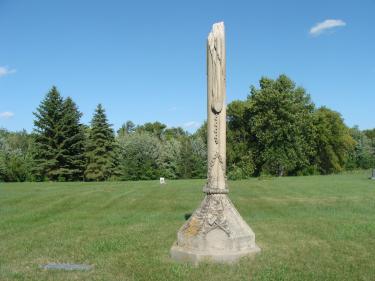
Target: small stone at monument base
66, 266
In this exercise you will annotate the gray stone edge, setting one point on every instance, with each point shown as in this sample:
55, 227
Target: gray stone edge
184, 255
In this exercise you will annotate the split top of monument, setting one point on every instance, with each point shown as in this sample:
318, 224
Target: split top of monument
216, 111
216, 66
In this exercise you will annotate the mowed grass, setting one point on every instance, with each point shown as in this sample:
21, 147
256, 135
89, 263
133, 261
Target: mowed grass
309, 228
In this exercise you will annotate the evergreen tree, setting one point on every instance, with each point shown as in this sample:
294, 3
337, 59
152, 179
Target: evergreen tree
101, 151
58, 149
73, 145
48, 137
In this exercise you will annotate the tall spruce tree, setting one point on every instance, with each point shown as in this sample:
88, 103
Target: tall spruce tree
73, 145
48, 137
58, 151
101, 151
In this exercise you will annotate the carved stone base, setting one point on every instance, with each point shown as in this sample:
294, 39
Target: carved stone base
191, 256
214, 232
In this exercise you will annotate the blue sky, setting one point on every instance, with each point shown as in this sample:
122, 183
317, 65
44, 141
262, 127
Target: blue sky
145, 60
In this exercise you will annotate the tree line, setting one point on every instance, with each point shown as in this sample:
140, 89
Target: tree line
61, 148
277, 131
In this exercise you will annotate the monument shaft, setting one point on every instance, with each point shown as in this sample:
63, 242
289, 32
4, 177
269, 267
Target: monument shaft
215, 231
216, 110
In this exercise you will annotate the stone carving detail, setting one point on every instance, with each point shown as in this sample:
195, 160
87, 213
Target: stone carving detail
216, 128
211, 176
212, 214
209, 217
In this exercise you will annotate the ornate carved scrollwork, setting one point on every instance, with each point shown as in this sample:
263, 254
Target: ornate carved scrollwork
212, 177
209, 217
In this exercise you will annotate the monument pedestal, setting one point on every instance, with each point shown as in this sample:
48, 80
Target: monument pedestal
215, 232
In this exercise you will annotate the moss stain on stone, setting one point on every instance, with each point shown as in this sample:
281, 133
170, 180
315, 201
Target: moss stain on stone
193, 227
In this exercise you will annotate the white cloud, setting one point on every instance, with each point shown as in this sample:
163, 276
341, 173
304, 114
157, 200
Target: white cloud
320, 27
191, 125
6, 114
4, 70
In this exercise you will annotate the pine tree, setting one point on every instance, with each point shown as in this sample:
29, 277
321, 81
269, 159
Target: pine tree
48, 137
73, 144
101, 148
58, 150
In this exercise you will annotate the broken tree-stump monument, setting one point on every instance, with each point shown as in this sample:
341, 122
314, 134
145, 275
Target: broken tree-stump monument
215, 231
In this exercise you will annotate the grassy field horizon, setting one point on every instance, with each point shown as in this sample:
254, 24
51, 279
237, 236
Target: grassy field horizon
309, 228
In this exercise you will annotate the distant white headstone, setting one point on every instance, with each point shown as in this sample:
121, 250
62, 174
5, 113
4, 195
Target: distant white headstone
162, 181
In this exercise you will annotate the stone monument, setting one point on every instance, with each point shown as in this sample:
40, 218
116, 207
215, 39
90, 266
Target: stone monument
215, 231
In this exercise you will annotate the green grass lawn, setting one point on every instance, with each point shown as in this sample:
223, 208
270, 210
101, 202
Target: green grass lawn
309, 228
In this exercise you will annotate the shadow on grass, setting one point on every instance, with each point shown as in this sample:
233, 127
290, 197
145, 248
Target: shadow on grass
187, 216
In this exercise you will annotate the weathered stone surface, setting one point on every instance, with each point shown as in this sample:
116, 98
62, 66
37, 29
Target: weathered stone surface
215, 231
66, 266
